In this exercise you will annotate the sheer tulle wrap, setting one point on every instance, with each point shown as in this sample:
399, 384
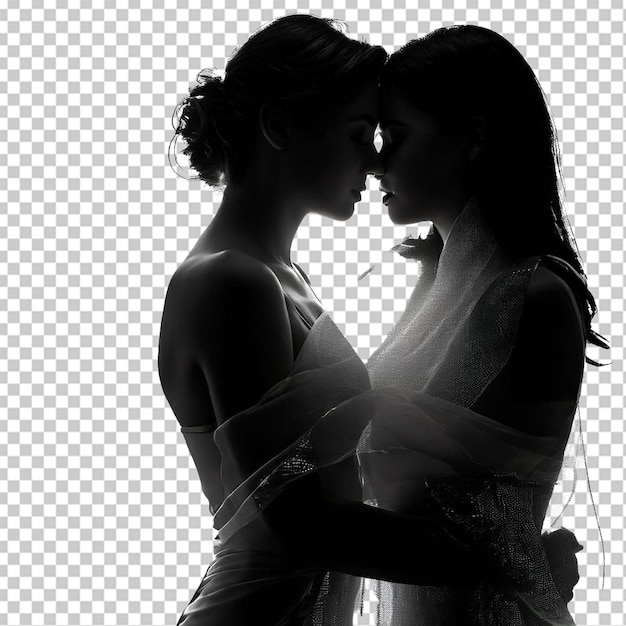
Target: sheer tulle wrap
323, 413
411, 449
419, 450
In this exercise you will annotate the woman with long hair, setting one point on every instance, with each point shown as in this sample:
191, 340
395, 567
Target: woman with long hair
501, 314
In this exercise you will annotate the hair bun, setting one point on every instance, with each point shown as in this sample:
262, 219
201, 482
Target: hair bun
301, 63
209, 83
203, 124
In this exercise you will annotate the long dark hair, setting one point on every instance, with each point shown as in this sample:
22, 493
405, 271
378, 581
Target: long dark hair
301, 62
456, 73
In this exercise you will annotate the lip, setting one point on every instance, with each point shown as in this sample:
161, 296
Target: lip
387, 198
356, 193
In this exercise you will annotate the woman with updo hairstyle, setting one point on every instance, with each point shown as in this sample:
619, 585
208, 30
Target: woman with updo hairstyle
256, 372
288, 66
501, 314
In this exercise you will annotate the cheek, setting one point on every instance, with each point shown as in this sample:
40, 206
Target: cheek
427, 165
344, 161
447, 171
328, 167
403, 162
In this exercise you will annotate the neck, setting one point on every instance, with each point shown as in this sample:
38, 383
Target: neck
446, 221
468, 249
257, 219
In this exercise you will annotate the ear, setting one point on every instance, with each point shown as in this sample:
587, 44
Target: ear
274, 124
476, 137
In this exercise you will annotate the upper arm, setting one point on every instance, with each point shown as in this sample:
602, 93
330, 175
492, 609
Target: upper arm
538, 389
239, 330
549, 350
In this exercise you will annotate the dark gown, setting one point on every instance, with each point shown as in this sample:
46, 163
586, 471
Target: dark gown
417, 452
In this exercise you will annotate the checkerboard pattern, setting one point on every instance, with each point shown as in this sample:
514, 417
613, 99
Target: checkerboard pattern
102, 520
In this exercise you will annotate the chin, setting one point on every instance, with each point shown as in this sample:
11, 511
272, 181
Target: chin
339, 214
401, 217
344, 217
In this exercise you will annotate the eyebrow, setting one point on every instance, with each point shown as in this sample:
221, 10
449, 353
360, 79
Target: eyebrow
388, 123
364, 118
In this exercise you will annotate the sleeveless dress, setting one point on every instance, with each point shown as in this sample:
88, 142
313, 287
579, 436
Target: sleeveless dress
418, 453
252, 581
217, 600
451, 344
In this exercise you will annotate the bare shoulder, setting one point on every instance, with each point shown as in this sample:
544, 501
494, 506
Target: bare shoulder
546, 284
551, 297
225, 313
221, 283
212, 296
207, 273
552, 319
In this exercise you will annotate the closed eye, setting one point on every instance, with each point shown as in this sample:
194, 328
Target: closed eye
392, 132
362, 133
364, 138
388, 139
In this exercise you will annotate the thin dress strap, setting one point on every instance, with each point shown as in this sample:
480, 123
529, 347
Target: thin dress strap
208, 428
303, 317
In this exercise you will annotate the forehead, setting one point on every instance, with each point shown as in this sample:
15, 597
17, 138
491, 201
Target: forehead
397, 111
364, 105
394, 107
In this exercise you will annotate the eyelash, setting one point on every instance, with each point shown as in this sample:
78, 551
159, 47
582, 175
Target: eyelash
359, 140
389, 141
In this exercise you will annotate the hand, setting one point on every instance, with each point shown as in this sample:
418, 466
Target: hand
561, 547
426, 250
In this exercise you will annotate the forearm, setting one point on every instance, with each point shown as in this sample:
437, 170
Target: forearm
392, 547
365, 541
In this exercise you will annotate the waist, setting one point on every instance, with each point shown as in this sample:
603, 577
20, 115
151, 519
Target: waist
237, 556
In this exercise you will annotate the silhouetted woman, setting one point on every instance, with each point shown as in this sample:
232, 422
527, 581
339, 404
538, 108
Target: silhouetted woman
500, 318
247, 358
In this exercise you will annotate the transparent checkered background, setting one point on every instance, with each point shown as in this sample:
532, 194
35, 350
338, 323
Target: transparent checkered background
102, 520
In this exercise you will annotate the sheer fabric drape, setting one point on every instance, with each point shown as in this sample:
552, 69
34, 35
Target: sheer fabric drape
418, 446
405, 444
